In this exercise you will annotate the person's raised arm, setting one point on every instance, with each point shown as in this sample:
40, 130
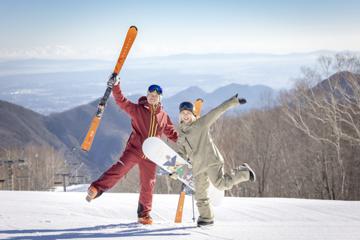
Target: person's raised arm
209, 118
120, 99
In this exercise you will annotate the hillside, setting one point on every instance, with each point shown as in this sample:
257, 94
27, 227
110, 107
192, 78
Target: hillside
342, 83
48, 215
65, 132
20, 126
71, 127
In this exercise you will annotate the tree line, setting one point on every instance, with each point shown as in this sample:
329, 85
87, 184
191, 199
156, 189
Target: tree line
306, 142
35, 168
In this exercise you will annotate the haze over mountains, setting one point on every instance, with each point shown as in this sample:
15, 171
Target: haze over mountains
48, 86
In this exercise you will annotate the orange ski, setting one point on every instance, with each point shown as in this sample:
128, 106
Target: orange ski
180, 207
198, 105
129, 40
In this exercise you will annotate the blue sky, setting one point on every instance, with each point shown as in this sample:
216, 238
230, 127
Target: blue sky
95, 29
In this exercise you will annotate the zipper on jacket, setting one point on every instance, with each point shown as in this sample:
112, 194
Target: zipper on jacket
153, 123
152, 126
188, 143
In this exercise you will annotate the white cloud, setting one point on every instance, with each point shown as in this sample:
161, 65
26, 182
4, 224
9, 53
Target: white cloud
56, 52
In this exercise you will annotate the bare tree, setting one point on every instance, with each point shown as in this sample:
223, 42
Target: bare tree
41, 164
328, 113
325, 63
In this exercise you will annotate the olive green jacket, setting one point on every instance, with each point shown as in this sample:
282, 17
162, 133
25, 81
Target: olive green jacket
195, 142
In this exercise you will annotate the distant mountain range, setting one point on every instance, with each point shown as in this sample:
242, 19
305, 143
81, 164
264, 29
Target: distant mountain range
253, 94
48, 86
71, 127
66, 130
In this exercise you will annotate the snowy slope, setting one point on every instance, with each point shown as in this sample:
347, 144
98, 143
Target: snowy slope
59, 215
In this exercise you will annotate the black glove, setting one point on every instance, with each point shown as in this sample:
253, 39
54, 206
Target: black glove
242, 100
113, 81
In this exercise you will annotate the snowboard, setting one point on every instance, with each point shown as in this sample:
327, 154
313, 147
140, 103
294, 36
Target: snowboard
170, 161
167, 159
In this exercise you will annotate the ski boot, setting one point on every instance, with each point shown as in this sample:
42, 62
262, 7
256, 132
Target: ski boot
244, 167
92, 193
202, 223
145, 220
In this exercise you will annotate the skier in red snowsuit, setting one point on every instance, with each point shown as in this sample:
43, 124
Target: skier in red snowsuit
148, 119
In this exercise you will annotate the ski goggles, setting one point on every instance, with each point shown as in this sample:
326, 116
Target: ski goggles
155, 88
186, 106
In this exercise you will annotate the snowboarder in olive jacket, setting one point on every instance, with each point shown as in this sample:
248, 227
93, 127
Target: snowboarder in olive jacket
195, 144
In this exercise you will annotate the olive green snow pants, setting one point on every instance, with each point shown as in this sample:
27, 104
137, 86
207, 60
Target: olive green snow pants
215, 175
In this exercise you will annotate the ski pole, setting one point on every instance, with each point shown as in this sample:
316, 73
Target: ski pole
192, 196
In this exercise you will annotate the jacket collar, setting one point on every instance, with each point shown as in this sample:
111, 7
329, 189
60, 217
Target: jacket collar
143, 101
185, 127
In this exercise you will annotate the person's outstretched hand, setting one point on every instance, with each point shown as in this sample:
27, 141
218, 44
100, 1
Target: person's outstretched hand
113, 81
242, 100
173, 175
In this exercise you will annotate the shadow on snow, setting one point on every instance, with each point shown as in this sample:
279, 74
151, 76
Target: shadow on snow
131, 229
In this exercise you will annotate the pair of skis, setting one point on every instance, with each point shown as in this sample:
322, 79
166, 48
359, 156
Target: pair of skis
89, 138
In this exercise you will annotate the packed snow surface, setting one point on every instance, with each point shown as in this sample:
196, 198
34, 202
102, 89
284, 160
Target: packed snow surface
66, 215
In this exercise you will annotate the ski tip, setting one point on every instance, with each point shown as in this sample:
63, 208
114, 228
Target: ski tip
134, 27
200, 99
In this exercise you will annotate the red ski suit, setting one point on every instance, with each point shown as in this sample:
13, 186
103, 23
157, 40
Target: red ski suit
146, 121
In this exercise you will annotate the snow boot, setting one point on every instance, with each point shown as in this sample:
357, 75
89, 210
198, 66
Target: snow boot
202, 223
246, 167
92, 193
145, 220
